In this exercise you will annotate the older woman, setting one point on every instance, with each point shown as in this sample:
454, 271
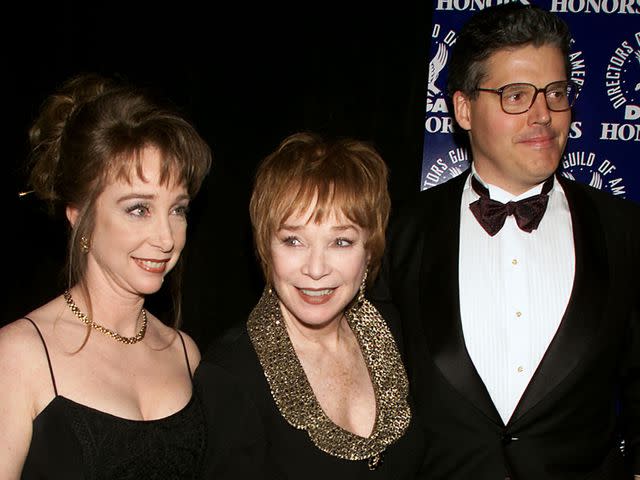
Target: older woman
319, 360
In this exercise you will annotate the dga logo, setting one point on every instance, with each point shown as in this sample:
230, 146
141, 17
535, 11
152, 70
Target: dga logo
622, 82
584, 167
453, 164
438, 118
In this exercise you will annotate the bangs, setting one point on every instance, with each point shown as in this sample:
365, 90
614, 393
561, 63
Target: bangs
309, 176
129, 162
327, 196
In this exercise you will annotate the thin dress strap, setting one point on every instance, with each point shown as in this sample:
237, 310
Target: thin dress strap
184, 347
46, 351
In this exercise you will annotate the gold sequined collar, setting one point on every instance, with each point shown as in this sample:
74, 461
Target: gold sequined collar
295, 399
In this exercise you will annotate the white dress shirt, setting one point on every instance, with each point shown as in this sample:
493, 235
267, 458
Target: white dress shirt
514, 290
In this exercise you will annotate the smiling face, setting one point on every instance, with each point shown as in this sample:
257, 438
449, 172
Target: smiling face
317, 267
516, 152
140, 230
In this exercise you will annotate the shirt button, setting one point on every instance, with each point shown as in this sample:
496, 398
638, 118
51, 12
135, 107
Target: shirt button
518, 314
514, 261
520, 369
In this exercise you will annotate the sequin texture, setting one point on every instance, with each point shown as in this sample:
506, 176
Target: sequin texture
294, 396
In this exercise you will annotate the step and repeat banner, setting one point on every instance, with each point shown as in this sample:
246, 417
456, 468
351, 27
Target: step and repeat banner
603, 149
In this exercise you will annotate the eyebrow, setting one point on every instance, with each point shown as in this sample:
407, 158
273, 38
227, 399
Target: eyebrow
148, 196
294, 228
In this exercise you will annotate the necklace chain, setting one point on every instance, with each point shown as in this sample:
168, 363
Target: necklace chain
116, 336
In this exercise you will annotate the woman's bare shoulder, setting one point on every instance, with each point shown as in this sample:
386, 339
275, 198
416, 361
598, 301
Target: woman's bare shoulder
23, 368
21, 341
192, 350
162, 336
18, 341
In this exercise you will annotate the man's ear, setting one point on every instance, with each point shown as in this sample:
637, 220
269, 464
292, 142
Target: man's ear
72, 214
462, 110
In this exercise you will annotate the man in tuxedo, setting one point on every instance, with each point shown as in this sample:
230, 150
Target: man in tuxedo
517, 289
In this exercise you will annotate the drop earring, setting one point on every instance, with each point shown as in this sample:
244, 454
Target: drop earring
363, 287
84, 244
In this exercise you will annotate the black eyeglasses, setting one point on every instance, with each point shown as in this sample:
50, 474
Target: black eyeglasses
516, 98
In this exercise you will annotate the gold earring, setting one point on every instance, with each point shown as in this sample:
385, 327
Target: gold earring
270, 291
84, 244
363, 287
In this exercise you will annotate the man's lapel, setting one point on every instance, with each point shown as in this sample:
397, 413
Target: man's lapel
440, 302
584, 310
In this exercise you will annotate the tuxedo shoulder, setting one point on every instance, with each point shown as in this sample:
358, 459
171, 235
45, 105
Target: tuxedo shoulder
437, 198
448, 191
613, 206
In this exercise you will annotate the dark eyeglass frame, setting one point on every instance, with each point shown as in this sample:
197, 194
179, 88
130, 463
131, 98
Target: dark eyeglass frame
569, 84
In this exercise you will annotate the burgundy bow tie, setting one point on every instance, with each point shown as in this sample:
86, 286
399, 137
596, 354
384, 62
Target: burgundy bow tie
492, 214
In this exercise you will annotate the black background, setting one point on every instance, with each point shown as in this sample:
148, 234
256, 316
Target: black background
247, 75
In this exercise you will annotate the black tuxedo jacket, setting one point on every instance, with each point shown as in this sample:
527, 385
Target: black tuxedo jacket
584, 398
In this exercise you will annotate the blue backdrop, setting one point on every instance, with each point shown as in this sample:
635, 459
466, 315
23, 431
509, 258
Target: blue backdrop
604, 142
